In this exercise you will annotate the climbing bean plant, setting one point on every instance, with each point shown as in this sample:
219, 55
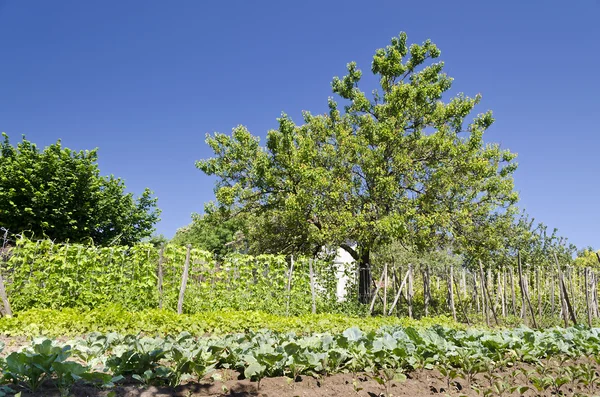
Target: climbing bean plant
41, 274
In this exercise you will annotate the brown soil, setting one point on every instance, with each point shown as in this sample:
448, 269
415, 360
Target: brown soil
335, 385
419, 384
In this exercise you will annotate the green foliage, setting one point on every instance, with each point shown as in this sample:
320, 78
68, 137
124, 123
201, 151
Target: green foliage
59, 193
43, 361
47, 275
212, 233
588, 258
114, 318
404, 165
44, 274
157, 240
385, 354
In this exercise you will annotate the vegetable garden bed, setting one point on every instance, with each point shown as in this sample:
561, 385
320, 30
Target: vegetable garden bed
392, 360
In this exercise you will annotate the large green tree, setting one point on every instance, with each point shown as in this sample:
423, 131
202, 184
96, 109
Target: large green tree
400, 164
58, 193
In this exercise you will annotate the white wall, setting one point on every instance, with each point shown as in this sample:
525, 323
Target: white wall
343, 260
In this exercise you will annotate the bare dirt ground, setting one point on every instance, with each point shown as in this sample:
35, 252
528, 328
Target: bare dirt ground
334, 385
419, 384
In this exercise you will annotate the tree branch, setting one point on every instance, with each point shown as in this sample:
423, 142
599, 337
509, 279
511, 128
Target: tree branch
350, 250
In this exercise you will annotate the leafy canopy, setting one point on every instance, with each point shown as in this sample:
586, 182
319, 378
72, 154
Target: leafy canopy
400, 164
58, 193
212, 233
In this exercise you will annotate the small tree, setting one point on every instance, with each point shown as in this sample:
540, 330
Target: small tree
58, 193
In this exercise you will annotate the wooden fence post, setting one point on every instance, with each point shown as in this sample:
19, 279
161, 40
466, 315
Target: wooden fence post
571, 290
524, 290
552, 291
462, 304
476, 293
503, 292
161, 258
464, 283
539, 290
410, 290
488, 302
587, 296
484, 303
567, 300
7, 309
594, 294
561, 293
184, 278
385, 287
451, 292
399, 293
377, 287
513, 293
289, 286
426, 289
312, 286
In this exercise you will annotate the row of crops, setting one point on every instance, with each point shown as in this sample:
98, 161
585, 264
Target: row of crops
42, 274
546, 361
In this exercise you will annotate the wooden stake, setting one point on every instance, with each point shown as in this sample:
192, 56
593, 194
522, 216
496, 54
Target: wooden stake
426, 291
4, 296
561, 292
398, 294
161, 259
587, 296
289, 286
312, 286
503, 287
594, 294
462, 305
451, 292
464, 283
539, 290
410, 290
566, 295
476, 293
552, 292
377, 287
513, 293
524, 290
488, 301
184, 278
385, 285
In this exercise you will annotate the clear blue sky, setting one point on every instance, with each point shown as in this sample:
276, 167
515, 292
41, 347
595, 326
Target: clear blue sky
146, 80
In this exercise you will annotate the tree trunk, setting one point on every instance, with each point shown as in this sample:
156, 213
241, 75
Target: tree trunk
364, 278
362, 256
